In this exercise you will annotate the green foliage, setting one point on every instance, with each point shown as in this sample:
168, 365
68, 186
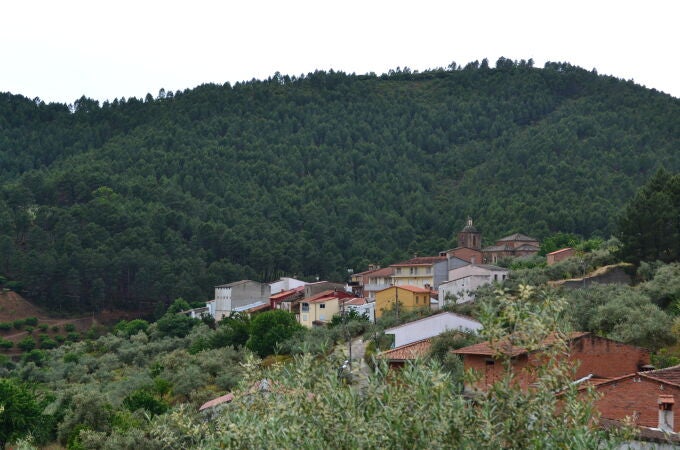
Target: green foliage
5, 326
269, 329
650, 227
33, 321
19, 410
175, 325
6, 343
69, 327
26, 344
19, 324
143, 399
558, 241
129, 328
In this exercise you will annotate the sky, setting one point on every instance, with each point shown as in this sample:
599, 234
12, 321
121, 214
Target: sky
62, 50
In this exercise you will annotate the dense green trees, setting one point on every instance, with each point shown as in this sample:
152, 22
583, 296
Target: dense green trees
650, 227
132, 202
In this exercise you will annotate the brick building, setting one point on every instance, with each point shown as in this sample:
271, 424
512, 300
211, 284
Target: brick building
594, 356
648, 398
513, 246
559, 255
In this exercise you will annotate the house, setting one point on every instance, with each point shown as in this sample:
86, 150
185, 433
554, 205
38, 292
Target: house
361, 306
465, 280
284, 299
377, 281
230, 297
285, 284
319, 309
359, 280
425, 272
647, 397
431, 326
592, 356
402, 299
513, 246
320, 286
397, 357
559, 255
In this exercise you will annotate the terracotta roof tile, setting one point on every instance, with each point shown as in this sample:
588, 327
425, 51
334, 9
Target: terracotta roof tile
406, 352
485, 348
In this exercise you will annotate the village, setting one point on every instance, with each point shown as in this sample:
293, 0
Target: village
627, 386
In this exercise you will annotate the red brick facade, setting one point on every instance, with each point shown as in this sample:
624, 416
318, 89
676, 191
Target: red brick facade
637, 396
590, 354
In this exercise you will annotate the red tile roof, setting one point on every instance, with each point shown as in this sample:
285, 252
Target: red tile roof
486, 349
326, 295
420, 261
284, 294
562, 250
217, 401
384, 272
407, 352
669, 374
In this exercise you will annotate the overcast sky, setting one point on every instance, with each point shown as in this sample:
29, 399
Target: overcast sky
61, 50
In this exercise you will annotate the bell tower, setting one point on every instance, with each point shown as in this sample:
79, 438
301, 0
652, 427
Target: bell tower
469, 236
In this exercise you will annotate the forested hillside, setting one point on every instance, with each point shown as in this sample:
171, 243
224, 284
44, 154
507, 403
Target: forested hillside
144, 200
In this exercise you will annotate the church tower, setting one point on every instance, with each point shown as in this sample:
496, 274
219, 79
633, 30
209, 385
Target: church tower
469, 236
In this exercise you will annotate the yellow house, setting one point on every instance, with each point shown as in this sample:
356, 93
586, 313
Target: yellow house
406, 298
320, 308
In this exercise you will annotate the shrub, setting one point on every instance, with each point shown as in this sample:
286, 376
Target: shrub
26, 344
72, 337
19, 324
6, 343
55, 328
29, 329
48, 343
5, 326
43, 327
143, 399
59, 338
33, 321
70, 327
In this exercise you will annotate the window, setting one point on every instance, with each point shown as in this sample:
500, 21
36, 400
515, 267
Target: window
398, 270
322, 306
428, 270
305, 307
495, 277
412, 270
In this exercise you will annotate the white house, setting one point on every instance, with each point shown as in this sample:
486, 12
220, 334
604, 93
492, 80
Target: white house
464, 281
362, 307
284, 284
432, 326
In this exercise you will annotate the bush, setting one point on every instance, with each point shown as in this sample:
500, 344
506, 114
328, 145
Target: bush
73, 337
26, 344
33, 321
70, 327
5, 326
143, 399
43, 327
270, 328
55, 328
6, 343
19, 324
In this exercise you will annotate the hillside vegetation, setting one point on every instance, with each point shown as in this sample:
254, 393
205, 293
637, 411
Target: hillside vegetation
136, 201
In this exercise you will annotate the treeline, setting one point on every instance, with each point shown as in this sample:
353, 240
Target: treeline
139, 200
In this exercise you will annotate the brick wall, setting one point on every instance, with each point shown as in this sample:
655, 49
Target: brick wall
590, 354
606, 358
636, 397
